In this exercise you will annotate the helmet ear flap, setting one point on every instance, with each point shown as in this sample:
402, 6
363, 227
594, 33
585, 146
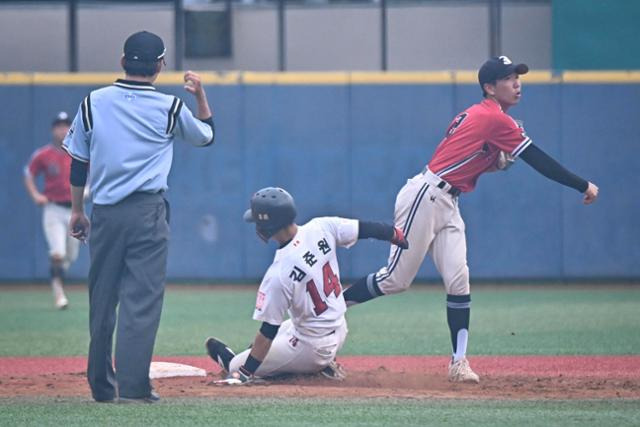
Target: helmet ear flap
261, 235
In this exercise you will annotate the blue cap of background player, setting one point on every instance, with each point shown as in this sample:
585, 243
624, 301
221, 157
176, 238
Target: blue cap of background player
61, 118
144, 46
497, 68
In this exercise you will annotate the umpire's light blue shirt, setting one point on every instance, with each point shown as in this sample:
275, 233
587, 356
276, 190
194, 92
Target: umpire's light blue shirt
126, 132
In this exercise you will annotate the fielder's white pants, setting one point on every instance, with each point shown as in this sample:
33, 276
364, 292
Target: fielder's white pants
431, 221
294, 353
55, 221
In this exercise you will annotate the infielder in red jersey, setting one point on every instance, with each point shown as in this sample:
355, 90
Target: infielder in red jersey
54, 163
483, 138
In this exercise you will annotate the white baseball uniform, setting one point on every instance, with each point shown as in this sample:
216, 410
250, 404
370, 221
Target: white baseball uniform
304, 281
427, 206
52, 162
55, 221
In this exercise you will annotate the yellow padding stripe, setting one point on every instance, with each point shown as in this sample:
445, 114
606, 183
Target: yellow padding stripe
540, 77
74, 78
345, 78
465, 76
209, 78
16, 78
601, 76
107, 78
308, 78
322, 78
532, 77
397, 77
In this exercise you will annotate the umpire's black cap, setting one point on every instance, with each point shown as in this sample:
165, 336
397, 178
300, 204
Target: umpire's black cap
61, 118
499, 67
144, 46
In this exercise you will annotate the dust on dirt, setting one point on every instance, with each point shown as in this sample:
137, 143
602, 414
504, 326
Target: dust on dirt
506, 378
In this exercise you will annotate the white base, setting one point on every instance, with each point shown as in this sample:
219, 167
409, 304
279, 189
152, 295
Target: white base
168, 370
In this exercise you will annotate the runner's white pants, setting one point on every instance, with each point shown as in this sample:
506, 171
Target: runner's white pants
294, 353
431, 221
55, 221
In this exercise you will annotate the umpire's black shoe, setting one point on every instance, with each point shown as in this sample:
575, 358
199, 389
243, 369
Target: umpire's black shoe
220, 353
152, 398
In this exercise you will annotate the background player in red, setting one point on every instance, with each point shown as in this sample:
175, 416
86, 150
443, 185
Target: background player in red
483, 138
54, 164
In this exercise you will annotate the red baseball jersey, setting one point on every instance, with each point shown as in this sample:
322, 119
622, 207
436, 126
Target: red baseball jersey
472, 144
55, 164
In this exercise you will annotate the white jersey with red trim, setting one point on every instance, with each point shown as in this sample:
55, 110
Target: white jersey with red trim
304, 279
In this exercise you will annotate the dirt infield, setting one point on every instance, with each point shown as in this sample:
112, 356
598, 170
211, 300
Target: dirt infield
503, 377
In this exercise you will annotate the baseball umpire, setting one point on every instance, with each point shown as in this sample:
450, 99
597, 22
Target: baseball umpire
303, 281
126, 131
483, 138
52, 162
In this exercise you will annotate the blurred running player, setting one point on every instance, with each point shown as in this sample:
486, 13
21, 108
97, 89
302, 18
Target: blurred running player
54, 163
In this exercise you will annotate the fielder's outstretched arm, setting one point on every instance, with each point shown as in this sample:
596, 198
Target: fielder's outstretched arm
549, 167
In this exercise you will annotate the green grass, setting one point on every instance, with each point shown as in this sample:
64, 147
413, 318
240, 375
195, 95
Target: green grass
298, 412
504, 320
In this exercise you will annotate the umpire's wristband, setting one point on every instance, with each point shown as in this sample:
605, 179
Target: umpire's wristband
250, 366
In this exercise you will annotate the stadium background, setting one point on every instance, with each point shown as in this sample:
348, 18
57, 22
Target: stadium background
344, 142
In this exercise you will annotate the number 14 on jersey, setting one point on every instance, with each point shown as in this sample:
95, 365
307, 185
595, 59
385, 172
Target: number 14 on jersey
330, 286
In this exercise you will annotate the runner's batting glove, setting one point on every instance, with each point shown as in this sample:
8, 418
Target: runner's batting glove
398, 238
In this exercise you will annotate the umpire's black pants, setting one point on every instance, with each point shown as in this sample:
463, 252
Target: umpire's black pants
128, 250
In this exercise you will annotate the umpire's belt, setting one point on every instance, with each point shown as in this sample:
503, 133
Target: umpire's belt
440, 183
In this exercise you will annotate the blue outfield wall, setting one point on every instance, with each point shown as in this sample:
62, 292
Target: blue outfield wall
346, 149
